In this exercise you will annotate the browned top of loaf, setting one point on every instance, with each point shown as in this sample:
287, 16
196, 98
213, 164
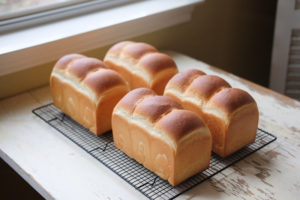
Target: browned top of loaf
90, 71
63, 62
156, 62
207, 85
130, 100
211, 89
164, 112
144, 55
138, 49
81, 67
103, 79
154, 107
179, 123
131, 49
183, 79
230, 99
117, 48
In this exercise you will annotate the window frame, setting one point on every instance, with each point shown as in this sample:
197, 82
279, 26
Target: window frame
27, 48
51, 13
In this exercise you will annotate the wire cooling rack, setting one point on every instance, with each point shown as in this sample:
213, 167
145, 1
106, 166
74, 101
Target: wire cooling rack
153, 187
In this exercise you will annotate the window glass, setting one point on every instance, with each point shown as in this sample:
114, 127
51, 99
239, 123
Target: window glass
19, 14
16, 8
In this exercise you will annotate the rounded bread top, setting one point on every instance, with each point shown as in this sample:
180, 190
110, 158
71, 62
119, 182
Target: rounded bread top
156, 62
91, 72
211, 90
129, 49
182, 80
154, 107
179, 123
103, 79
140, 55
81, 67
117, 48
137, 49
230, 99
164, 113
206, 86
63, 62
129, 101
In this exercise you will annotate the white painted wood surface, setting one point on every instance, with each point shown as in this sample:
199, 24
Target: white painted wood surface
59, 169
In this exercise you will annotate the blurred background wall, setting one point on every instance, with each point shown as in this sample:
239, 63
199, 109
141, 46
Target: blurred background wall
235, 35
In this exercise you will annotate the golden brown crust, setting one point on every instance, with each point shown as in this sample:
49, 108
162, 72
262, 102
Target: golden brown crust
164, 111
130, 100
86, 90
183, 79
141, 65
105, 108
63, 62
80, 67
154, 107
117, 48
155, 130
179, 123
231, 99
206, 86
155, 63
92, 72
219, 106
137, 50
103, 80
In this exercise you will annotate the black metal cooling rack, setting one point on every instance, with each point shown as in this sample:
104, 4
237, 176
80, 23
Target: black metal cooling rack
153, 187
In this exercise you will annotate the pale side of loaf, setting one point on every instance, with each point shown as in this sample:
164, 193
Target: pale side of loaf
155, 130
84, 89
141, 65
231, 114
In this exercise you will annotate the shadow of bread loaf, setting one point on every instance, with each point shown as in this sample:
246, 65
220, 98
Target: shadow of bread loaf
84, 89
231, 114
157, 132
141, 65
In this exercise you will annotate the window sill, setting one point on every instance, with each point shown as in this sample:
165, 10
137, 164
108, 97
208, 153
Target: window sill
45, 43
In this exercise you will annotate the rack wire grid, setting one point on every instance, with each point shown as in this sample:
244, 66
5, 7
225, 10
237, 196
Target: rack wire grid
143, 180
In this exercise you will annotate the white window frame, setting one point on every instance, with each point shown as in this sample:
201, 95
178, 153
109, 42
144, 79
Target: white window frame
56, 11
34, 46
287, 19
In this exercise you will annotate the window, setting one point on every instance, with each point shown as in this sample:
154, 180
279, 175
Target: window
46, 42
15, 14
16, 8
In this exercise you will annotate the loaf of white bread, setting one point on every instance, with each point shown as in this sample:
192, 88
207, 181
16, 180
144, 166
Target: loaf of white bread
157, 132
231, 114
141, 65
86, 90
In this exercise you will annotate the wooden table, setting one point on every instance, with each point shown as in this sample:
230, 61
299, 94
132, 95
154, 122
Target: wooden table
59, 169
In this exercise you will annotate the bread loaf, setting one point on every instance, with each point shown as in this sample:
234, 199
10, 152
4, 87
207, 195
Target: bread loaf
86, 90
141, 65
155, 130
231, 114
